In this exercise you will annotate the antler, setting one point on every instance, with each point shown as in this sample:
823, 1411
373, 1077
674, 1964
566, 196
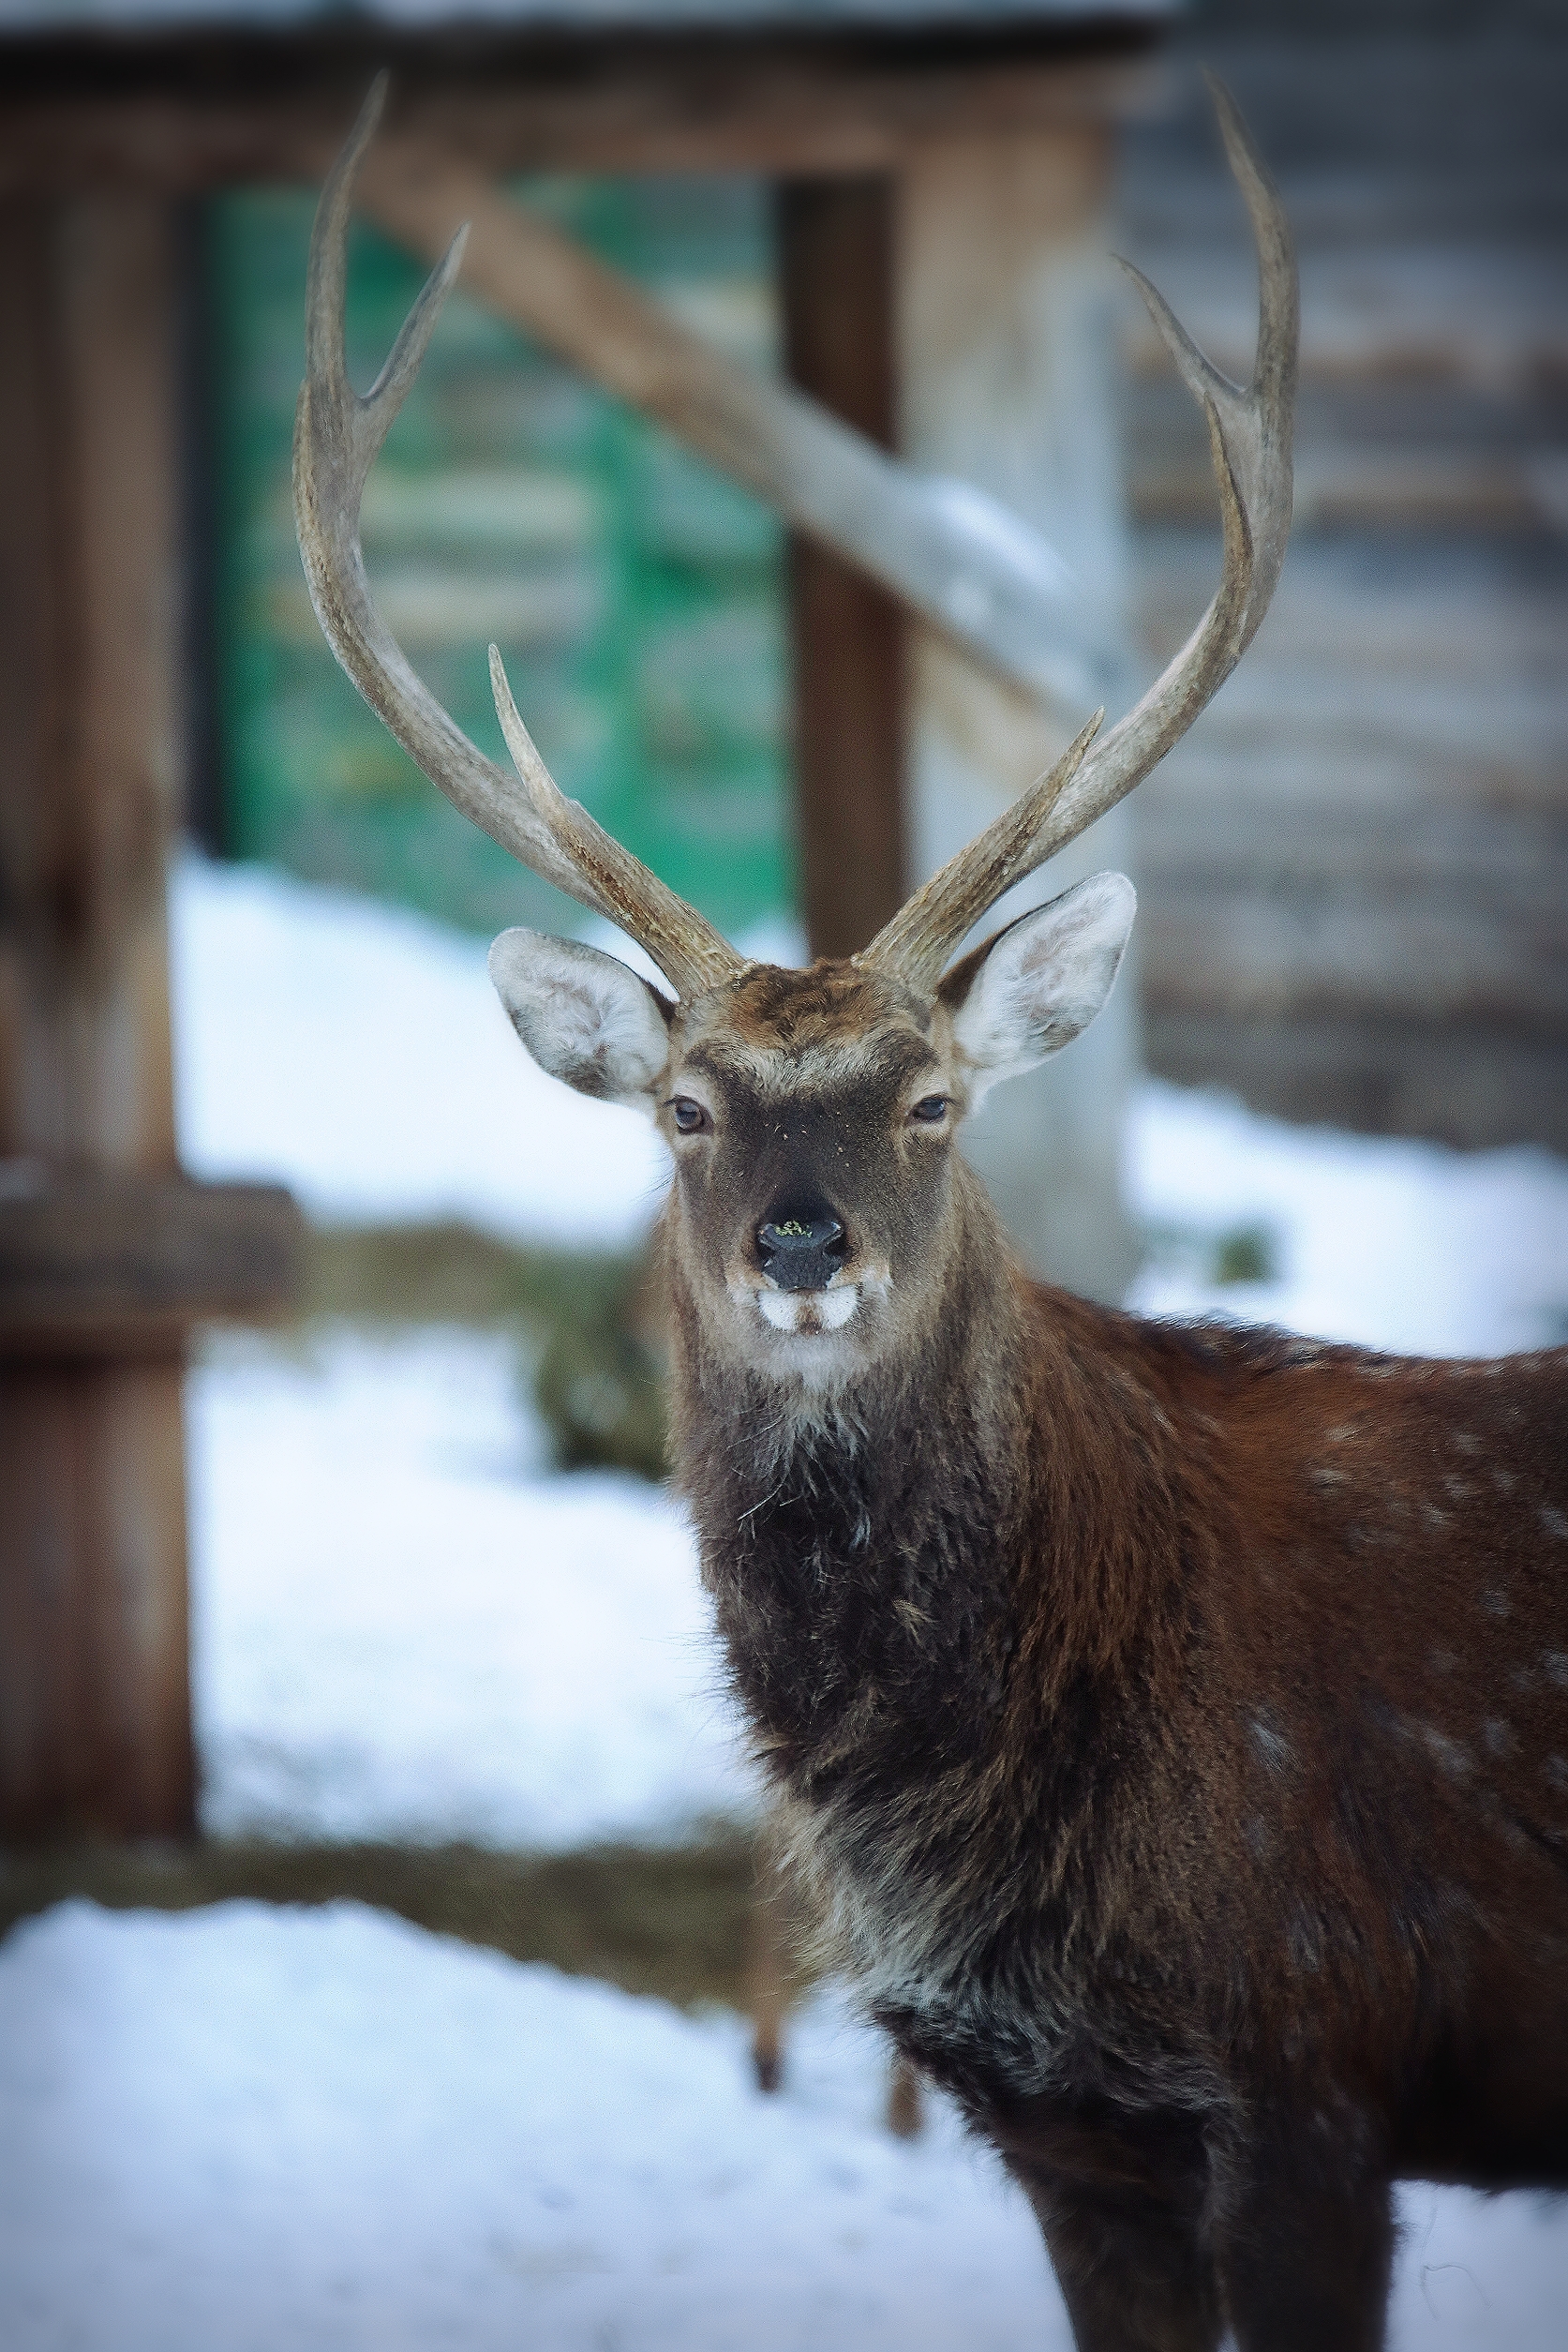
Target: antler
1249, 435
338, 436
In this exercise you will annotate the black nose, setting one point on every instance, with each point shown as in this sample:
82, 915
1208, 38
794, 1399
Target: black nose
800, 1253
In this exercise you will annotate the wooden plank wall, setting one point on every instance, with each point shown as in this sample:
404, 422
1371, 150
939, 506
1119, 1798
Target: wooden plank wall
1354, 875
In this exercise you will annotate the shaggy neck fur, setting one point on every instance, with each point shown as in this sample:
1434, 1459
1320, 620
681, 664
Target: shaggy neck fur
929, 1603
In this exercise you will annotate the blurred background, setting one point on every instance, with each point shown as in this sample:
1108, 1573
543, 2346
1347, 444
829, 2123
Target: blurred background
368, 1785
1352, 879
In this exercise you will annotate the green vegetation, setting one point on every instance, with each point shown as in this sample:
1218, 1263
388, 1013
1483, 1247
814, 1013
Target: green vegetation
1246, 1255
1235, 1253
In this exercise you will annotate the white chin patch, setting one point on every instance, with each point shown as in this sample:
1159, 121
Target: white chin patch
809, 1311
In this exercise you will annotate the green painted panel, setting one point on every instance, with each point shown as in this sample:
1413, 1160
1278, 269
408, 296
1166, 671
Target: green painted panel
636, 596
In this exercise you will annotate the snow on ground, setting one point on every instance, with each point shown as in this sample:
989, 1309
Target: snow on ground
403, 1629
359, 1054
1386, 1242
249, 2128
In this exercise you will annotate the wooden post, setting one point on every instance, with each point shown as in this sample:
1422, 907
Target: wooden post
836, 271
1005, 381
95, 1710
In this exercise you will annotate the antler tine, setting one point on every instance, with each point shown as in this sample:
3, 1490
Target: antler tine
337, 438
682, 943
1250, 437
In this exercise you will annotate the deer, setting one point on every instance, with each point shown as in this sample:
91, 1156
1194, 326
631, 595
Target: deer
1172, 1719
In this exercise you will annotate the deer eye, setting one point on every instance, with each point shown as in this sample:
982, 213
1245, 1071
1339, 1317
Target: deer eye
929, 1108
690, 1118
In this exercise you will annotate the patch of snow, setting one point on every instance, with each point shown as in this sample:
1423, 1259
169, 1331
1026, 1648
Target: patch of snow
326, 2129
402, 1629
1391, 1244
251, 2128
359, 1054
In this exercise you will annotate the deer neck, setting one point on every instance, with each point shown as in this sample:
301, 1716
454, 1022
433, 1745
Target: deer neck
930, 1597
851, 1540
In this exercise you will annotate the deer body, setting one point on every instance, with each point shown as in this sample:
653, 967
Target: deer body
1174, 1722
1176, 1725
1086, 1699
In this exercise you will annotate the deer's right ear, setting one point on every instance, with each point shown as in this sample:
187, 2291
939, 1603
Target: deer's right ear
584, 1016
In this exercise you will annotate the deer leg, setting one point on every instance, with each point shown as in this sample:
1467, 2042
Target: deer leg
1131, 2266
904, 2099
1305, 2245
768, 1961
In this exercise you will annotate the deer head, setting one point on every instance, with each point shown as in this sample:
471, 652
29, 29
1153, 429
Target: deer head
810, 1115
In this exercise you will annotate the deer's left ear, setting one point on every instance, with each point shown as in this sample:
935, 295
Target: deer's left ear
1027, 990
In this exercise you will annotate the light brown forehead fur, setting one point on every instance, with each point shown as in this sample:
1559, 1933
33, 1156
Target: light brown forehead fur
831, 1024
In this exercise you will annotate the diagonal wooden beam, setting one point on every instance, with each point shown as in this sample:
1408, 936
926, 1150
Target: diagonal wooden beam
955, 556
